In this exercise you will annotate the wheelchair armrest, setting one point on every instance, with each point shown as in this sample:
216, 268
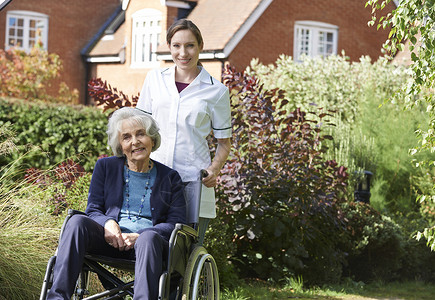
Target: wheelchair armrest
187, 229
72, 212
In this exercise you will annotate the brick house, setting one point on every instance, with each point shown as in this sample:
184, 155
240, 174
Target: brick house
123, 39
64, 27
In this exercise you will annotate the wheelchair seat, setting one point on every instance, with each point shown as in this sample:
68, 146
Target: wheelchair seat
117, 263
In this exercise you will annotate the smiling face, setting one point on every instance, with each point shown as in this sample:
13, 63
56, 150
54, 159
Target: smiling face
136, 145
185, 50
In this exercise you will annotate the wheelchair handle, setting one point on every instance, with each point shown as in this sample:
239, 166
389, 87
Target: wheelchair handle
202, 174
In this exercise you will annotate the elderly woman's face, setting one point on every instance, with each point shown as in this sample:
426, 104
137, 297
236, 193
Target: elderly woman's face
135, 144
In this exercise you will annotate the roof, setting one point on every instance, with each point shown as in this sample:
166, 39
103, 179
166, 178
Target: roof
223, 28
109, 43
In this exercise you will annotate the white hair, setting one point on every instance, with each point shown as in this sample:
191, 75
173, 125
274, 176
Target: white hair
135, 115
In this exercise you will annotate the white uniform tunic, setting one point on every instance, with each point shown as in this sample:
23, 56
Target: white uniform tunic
185, 120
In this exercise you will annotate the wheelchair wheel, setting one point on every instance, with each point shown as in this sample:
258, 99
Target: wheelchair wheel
81, 288
201, 280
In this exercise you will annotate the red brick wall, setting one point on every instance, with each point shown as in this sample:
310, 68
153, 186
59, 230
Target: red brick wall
71, 25
273, 33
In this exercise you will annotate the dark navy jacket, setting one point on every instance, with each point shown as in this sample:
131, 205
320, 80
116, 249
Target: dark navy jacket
105, 198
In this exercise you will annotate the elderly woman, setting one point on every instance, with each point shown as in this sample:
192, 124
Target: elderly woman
133, 206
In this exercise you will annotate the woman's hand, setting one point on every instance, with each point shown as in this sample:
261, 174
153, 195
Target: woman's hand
129, 240
113, 235
211, 179
221, 155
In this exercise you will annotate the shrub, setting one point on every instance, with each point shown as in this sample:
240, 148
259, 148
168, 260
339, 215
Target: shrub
59, 131
221, 246
277, 192
371, 134
376, 244
29, 75
418, 261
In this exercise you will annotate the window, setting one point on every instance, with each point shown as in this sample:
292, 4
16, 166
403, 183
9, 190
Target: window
314, 39
145, 38
25, 28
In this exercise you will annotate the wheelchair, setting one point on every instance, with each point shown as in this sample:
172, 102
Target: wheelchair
190, 271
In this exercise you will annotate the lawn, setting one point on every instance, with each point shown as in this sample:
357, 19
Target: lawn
349, 291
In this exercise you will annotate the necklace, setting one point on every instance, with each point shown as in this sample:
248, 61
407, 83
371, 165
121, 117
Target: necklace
127, 192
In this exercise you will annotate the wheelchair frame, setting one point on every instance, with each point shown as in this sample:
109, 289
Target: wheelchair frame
191, 272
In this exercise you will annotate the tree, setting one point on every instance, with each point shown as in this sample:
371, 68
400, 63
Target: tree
413, 22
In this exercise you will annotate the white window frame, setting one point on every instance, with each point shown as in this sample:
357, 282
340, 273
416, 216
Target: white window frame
25, 31
309, 39
146, 30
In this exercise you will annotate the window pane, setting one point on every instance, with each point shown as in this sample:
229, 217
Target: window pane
329, 36
40, 24
20, 32
32, 24
21, 22
144, 48
321, 50
329, 49
12, 22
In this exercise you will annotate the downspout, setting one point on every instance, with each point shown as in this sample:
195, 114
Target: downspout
87, 78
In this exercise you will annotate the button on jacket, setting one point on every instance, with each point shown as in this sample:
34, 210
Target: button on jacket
185, 120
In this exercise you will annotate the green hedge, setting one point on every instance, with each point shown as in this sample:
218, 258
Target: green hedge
55, 131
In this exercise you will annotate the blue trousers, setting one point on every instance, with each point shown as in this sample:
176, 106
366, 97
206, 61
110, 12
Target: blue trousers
83, 235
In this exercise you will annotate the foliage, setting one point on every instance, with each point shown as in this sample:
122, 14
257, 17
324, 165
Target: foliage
395, 185
60, 131
332, 82
7, 138
27, 235
63, 186
281, 196
368, 136
30, 75
413, 21
221, 246
311, 82
377, 244
107, 97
